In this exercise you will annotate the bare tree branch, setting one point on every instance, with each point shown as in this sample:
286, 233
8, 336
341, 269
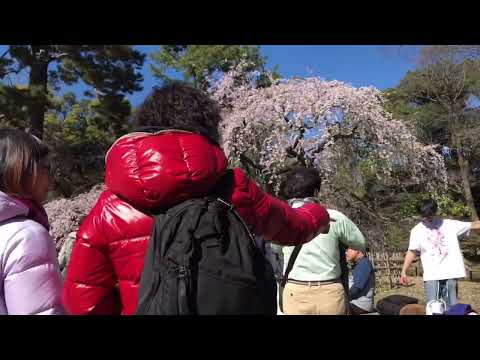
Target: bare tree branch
245, 159
461, 85
15, 71
5, 53
321, 146
58, 56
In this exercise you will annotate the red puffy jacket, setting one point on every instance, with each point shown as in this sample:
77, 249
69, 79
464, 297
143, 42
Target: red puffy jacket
145, 171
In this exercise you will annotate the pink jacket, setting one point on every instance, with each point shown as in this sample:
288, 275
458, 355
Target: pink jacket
30, 279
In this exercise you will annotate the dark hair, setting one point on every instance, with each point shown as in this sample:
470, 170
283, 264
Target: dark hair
179, 105
300, 182
21, 155
427, 208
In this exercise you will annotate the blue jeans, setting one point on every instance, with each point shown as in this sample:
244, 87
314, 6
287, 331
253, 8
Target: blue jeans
448, 291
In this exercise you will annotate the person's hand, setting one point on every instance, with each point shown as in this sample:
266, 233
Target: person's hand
404, 279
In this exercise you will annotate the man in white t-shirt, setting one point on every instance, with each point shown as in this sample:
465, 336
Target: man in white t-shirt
436, 240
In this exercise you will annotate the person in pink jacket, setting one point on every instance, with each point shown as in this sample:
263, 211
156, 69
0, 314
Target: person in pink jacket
30, 279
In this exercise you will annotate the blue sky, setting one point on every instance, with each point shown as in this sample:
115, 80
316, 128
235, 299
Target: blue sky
359, 65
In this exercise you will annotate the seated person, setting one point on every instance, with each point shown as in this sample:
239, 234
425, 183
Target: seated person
361, 283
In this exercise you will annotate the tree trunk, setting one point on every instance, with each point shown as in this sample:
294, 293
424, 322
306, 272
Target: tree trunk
38, 81
464, 165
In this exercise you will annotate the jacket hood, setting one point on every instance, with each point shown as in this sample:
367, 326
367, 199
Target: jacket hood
163, 169
11, 207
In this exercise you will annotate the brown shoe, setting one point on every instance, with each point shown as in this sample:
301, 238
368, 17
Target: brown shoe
413, 309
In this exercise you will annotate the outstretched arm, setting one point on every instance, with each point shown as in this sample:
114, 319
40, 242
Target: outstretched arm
476, 226
274, 219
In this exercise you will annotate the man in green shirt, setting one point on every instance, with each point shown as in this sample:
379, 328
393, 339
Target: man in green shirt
314, 284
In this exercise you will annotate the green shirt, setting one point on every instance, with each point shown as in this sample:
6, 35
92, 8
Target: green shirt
319, 259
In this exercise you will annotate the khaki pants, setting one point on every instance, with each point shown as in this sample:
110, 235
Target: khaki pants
328, 299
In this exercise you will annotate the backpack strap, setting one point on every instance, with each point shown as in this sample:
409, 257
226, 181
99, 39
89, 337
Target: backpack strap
291, 262
222, 192
344, 267
295, 251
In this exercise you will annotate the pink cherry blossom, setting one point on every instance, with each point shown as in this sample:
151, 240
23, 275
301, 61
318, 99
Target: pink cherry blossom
321, 118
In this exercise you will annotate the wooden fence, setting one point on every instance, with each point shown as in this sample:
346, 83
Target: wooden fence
388, 267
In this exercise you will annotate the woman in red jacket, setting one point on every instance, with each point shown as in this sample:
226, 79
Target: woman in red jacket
147, 171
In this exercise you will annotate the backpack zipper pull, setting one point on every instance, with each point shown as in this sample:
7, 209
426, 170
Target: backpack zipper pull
182, 271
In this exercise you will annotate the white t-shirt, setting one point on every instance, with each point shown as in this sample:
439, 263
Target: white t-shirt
439, 248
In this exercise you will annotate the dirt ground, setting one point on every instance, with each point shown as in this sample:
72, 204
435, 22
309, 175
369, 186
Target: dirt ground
469, 292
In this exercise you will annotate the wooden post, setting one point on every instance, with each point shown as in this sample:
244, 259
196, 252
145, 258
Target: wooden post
388, 270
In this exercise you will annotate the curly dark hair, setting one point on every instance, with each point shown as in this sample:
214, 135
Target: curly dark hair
179, 105
300, 182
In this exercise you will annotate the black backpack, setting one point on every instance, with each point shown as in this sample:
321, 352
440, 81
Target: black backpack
391, 305
202, 260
